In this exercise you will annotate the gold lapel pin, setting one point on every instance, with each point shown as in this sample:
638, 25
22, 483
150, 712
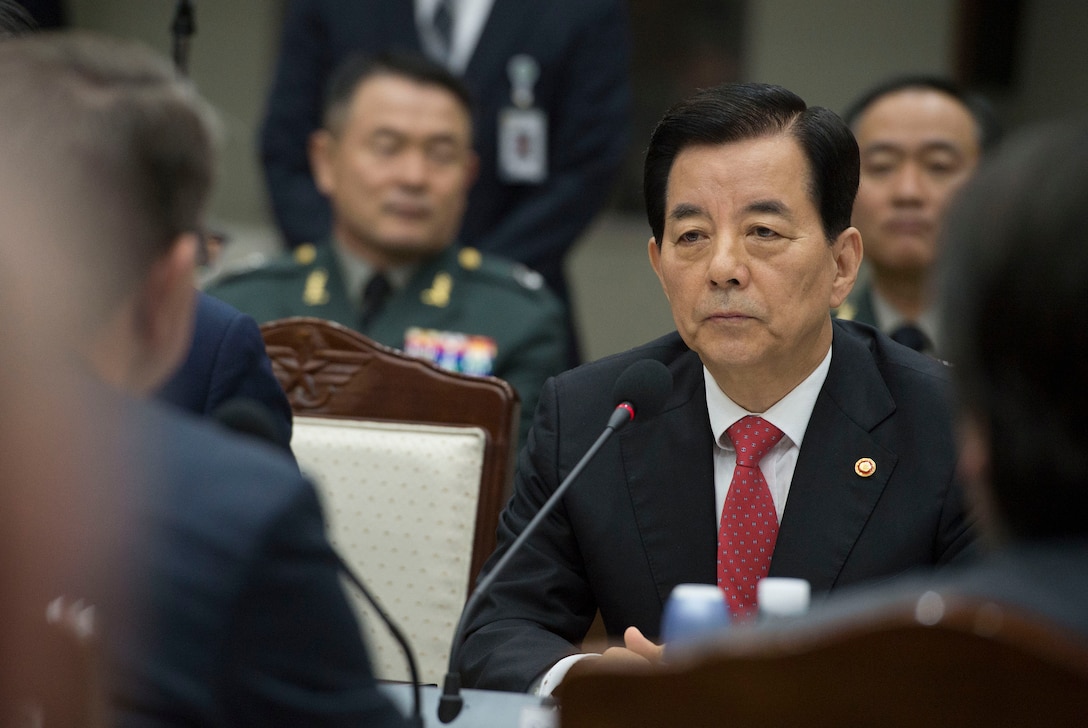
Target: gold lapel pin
865, 467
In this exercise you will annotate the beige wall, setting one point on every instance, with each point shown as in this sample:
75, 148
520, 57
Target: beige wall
231, 59
827, 51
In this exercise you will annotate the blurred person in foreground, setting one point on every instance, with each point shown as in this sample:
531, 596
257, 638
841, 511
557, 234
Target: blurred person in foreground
748, 195
231, 611
395, 158
1013, 297
921, 138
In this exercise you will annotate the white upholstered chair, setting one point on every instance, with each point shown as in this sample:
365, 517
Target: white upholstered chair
413, 464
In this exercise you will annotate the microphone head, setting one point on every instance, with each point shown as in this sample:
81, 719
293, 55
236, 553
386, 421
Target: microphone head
248, 417
646, 385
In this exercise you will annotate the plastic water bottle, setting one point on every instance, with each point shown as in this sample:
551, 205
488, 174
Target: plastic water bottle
693, 612
780, 596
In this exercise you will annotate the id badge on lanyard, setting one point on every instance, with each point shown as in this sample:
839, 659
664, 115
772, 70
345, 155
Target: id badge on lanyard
523, 128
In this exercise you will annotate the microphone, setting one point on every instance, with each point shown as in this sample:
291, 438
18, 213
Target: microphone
641, 390
183, 28
249, 417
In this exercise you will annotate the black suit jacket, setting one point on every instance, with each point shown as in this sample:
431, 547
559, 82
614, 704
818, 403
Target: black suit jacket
234, 613
227, 361
641, 519
583, 49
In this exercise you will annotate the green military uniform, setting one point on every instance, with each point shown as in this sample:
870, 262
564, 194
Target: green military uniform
515, 327
858, 306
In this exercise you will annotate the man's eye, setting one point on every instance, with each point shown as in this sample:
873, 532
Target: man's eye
691, 236
765, 233
384, 146
442, 154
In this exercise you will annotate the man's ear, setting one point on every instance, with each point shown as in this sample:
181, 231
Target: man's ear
847, 251
321, 147
654, 251
164, 319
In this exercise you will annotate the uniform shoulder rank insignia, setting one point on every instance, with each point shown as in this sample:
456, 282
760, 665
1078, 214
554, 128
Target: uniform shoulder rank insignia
316, 293
305, 254
438, 295
469, 258
457, 352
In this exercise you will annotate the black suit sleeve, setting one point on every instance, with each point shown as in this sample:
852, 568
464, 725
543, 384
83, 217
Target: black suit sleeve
293, 112
545, 585
284, 675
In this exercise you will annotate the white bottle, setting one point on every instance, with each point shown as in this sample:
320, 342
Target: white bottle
780, 596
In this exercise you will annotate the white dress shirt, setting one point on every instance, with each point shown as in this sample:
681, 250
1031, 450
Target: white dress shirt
789, 414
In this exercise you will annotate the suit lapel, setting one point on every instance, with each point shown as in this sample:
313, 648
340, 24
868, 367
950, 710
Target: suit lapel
673, 497
829, 503
498, 41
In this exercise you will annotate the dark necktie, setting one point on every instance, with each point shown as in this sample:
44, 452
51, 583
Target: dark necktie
749, 525
442, 21
375, 295
912, 336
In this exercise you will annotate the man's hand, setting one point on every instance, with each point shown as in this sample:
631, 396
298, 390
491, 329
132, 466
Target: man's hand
637, 651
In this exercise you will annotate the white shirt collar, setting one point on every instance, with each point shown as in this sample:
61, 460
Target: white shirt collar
790, 414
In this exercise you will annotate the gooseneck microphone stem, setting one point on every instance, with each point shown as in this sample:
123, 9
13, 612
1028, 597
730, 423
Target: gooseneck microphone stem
450, 703
416, 718
642, 388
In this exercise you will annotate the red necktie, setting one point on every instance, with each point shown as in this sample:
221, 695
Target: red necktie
749, 525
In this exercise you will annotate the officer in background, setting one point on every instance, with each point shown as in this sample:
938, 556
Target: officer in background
921, 138
395, 160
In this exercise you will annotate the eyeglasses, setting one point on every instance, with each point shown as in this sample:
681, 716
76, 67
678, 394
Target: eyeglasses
209, 245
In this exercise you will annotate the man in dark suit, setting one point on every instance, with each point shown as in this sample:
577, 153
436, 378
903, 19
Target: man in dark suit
218, 594
748, 194
550, 79
227, 363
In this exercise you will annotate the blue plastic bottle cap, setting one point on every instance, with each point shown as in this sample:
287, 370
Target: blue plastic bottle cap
693, 612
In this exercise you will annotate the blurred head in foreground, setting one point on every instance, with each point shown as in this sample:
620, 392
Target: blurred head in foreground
106, 163
1014, 293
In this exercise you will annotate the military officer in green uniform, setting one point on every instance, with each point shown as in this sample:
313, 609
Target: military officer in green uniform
395, 159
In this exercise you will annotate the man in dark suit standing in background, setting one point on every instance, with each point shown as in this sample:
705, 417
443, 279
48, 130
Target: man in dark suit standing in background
551, 96
218, 592
748, 194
